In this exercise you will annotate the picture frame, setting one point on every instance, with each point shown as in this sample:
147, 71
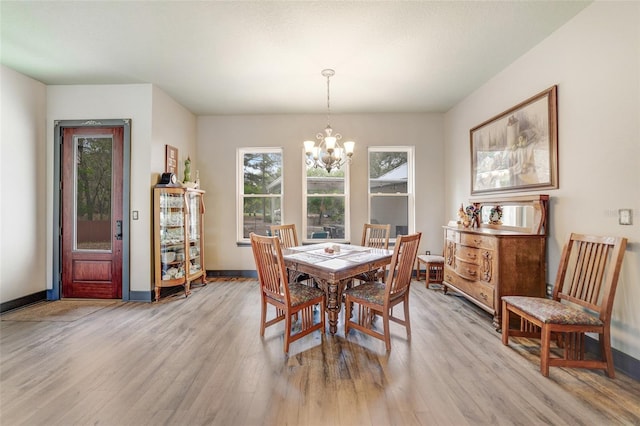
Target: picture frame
517, 150
171, 160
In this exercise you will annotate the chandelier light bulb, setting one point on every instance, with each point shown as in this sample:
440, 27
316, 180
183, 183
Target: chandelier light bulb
330, 143
308, 146
337, 153
348, 147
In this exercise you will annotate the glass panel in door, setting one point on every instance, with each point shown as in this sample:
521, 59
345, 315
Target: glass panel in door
92, 210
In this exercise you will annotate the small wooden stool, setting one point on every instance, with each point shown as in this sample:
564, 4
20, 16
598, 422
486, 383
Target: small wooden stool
434, 269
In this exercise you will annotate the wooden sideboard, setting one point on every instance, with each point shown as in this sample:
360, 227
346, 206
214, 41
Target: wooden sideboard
500, 257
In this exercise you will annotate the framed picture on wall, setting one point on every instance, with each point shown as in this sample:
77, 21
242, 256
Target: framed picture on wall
517, 150
171, 160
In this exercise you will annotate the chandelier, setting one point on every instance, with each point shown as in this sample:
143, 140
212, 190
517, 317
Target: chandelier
328, 153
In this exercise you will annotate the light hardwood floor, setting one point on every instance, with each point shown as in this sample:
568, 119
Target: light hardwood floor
201, 360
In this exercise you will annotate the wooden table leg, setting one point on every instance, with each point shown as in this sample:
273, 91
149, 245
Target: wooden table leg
333, 293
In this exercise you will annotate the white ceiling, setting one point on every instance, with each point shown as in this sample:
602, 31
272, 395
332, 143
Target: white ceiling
239, 57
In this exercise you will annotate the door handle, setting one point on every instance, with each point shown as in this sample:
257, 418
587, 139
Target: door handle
118, 229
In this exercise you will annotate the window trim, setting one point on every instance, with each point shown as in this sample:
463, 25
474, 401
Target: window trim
410, 194
240, 195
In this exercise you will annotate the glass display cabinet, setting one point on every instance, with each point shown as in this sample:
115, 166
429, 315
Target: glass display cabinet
178, 237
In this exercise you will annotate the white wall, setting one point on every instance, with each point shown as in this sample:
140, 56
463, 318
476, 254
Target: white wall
220, 136
172, 124
156, 120
22, 185
595, 61
102, 102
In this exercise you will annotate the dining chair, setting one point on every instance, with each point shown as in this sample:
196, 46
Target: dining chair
289, 238
319, 235
289, 299
286, 233
378, 298
375, 236
582, 302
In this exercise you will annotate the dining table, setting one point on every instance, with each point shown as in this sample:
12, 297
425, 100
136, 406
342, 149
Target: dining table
332, 267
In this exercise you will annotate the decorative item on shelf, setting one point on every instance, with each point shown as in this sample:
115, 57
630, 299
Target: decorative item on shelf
329, 153
495, 216
468, 215
197, 178
168, 257
187, 170
171, 159
462, 215
472, 213
168, 180
187, 183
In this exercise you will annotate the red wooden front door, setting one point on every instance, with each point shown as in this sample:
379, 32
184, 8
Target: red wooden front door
91, 212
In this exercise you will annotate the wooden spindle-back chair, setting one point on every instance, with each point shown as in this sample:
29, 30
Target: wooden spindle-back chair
289, 299
582, 302
377, 298
286, 233
289, 238
375, 236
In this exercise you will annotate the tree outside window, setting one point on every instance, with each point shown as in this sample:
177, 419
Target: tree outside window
93, 192
326, 204
260, 171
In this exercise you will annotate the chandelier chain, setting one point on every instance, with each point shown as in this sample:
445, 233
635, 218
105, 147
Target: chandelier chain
328, 101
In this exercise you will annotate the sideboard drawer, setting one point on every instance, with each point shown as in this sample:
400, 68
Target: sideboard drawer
452, 235
467, 270
468, 254
480, 241
483, 293
452, 277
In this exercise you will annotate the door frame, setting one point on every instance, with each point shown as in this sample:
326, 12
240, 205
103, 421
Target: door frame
59, 126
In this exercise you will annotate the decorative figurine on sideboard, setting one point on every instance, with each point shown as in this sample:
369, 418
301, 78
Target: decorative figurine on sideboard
462, 216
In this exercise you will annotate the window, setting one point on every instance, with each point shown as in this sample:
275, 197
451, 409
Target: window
260, 191
391, 183
326, 204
